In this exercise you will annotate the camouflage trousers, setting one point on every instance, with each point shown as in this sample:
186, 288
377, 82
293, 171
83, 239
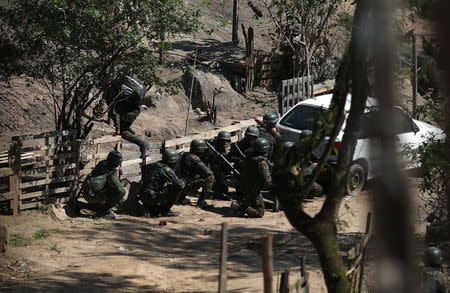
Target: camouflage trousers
161, 201
253, 205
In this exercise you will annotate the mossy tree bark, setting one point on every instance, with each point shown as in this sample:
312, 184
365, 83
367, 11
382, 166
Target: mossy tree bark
290, 185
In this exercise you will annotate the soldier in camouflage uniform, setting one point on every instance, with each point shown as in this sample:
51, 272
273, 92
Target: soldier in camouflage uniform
196, 174
270, 119
102, 189
160, 186
124, 97
244, 148
219, 168
316, 189
433, 279
254, 178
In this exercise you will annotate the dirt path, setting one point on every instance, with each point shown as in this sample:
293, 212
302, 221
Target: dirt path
133, 254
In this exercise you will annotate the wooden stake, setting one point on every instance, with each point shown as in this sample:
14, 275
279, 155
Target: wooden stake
190, 96
223, 260
267, 255
361, 272
414, 69
235, 28
3, 238
14, 179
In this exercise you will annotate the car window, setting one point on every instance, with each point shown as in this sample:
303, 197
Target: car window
302, 117
401, 123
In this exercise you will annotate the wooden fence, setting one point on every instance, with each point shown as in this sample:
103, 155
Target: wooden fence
297, 89
39, 168
300, 285
356, 257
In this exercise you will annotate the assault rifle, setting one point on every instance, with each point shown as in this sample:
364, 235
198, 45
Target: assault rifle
223, 158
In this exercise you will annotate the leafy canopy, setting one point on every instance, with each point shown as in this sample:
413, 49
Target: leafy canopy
75, 47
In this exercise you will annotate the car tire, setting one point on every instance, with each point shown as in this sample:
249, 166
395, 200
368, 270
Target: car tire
356, 179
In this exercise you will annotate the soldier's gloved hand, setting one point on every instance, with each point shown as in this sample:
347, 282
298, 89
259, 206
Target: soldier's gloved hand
182, 183
125, 182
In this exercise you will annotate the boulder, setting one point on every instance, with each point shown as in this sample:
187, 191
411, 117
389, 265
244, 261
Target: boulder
207, 84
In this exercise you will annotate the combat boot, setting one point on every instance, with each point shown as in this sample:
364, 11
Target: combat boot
72, 208
201, 203
107, 215
170, 213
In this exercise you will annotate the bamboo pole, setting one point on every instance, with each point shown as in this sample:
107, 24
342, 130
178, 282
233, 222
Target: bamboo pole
267, 255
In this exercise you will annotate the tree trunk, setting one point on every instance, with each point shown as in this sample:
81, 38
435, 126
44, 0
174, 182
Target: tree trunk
323, 237
321, 230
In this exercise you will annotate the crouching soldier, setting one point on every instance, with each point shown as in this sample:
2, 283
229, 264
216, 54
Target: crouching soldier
102, 189
244, 148
160, 186
196, 174
219, 168
433, 279
254, 178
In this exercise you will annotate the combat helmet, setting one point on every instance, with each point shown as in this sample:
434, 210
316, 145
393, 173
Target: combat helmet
288, 144
433, 257
262, 146
170, 156
114, 159
198, 146
270, 119
224, 135
252, 131
132, 85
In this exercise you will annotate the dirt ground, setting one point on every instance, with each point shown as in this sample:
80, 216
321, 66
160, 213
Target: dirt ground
53, 253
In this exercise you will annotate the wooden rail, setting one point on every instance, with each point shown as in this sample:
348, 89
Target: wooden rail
40, 166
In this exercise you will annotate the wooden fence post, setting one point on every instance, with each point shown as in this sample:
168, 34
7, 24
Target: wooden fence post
284, 282
223, 260
235, 28
14, 179
267, 255
249, 61
361, 272
3, 238
414, 70
77, 159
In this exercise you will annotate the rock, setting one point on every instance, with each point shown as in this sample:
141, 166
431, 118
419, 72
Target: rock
56, 212
205, 85
3, 238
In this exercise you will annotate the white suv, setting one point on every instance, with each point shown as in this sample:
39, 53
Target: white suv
304, 115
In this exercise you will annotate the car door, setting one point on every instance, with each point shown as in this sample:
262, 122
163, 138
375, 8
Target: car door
408, 134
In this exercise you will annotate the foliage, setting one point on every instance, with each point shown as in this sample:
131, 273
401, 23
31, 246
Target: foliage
436, 170
42, 233
18, 240
303, 29
431, 156
56, 248
75, 47
422, 7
